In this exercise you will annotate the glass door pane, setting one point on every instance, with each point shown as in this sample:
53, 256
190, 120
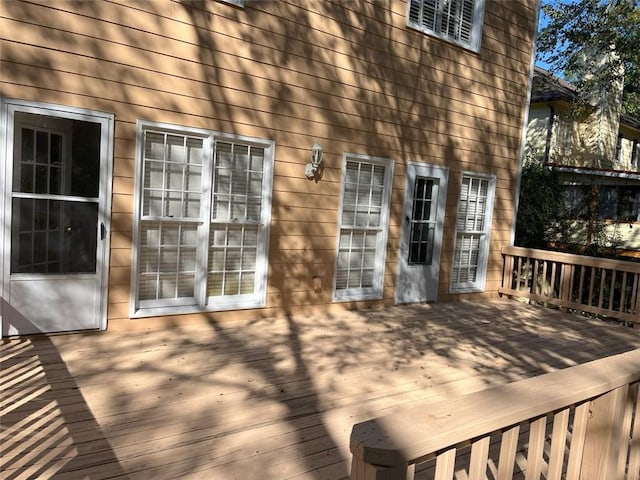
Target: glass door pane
56, 172
53, 236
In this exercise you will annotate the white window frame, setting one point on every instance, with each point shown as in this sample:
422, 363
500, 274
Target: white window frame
376, 291
619, 148
476, 31
483, 253
237, 3
201, 302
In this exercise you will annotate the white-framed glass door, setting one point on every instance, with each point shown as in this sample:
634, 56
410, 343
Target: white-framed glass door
421, 238
56, 195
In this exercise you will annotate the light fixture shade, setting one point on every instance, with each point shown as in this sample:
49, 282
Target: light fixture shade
316, 154
311, 169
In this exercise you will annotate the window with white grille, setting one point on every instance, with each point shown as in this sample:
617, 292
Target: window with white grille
202, 219
458, 21
473, 225
362, 236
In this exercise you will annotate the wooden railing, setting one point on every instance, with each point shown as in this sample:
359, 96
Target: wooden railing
580, 423
575, 282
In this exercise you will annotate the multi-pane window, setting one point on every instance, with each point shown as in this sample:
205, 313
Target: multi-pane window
237, 206
458, 21
618, 203
422, 222
472, 232
203, 221
634, 153
171, 201
362, 235
575, 201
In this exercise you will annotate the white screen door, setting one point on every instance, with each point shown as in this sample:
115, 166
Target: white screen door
423, 217
55, 220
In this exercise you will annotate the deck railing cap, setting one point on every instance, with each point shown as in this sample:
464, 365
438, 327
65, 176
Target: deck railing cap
414, 432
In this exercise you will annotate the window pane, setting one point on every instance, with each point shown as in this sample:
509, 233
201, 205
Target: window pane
232, 259
358, 264
172, 176
237, 188
53, 236
452, 19
167, 260
471, 232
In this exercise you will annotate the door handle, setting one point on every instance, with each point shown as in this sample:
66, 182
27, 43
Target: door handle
103, 231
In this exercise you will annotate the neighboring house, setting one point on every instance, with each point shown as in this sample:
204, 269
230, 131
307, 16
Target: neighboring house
596, 154
157, 156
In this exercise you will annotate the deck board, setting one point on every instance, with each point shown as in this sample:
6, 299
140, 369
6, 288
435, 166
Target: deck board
264, 399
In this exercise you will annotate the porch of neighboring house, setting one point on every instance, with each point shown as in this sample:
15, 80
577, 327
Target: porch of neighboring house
267, 399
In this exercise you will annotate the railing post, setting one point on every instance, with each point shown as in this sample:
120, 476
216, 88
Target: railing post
360, 470
603, 437
566, 278
507, 273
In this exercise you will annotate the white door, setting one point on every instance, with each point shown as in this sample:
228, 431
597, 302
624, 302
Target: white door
56, 189
421, 238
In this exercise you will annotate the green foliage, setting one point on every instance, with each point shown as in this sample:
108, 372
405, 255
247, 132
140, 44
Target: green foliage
544, 219
591, 42
540, 195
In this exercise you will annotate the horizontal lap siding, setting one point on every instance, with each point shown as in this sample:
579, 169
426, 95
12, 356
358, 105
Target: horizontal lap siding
348, 74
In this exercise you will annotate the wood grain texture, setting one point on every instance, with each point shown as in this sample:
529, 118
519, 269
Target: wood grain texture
263, 397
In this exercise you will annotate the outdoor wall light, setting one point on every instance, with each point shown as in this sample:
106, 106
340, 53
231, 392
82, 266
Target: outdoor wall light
311, 170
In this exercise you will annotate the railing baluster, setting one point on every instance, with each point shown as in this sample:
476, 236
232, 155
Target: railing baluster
566, 279
535, 452
445, 465
582, 270
623, 295
625, 431
479, 458
519, 274
558, 444
592, 281
634, 445
508, 449
603, 275
578, 433
612, 288
634, 298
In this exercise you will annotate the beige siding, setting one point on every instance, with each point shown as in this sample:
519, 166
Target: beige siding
537, 131
583, 141
348, 74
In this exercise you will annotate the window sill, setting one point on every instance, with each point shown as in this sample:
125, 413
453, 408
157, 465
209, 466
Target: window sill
470, 47
356, 296
221, 306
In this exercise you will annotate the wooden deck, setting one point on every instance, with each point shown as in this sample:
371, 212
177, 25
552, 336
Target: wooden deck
268, 399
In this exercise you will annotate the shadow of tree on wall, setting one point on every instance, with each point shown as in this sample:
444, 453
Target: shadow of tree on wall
347, 74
